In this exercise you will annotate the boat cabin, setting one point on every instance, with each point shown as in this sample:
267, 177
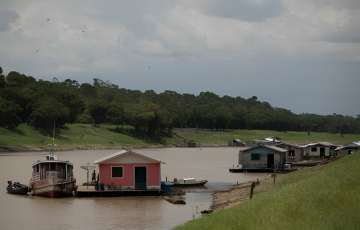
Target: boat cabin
127, 170
262, 157
348, 149
53, 169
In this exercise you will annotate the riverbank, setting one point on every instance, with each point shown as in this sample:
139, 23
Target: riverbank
321, 197
86, 136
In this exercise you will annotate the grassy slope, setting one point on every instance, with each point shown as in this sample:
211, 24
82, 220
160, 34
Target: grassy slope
326, 197
214, 137
75, 136
87, 136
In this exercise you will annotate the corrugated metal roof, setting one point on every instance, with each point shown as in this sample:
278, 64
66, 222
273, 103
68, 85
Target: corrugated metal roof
123, 153
323, 143
272, 147
292, 145
275, 148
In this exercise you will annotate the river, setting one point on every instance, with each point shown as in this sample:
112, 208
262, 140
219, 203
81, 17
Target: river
37, 213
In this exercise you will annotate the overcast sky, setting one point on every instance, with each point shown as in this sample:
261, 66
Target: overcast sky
302, 55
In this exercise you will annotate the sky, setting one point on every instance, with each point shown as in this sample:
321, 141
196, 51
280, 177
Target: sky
300, 55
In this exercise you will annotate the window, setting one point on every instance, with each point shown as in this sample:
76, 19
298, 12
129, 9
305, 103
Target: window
313, 149
255, 156
116, 171
291, 153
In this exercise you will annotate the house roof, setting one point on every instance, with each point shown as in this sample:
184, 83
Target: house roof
291, 145
354, 145
272, 147
126, 157
272, 139
326, 144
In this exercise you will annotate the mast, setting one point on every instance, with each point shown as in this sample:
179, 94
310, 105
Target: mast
52, 145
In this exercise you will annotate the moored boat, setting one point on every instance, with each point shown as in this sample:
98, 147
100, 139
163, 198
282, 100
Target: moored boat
17, 188
52, 178
188, 182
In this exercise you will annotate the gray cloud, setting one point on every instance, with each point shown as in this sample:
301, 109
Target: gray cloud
7, 17
340, 4
248, 10
303, 55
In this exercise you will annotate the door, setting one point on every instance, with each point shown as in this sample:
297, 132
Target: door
270, 161
322, 152
140, 178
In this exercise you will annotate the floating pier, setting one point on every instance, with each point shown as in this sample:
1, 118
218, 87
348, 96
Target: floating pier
89, 191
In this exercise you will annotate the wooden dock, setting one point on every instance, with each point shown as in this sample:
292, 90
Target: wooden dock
261, 170
89, 191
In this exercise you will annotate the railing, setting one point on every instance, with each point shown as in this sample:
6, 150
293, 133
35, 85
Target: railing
51, 175
35, 177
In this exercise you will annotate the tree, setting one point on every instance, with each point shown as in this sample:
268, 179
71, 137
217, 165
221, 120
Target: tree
98, 111
15, 79
9, 114
115, 114
72, 100
2, 79
47, 112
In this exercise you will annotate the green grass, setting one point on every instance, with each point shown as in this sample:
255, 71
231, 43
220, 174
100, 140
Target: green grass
222, 137
325, 197
75, 136
85, 136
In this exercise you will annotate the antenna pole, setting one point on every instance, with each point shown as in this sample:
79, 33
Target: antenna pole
53, 134
52, 146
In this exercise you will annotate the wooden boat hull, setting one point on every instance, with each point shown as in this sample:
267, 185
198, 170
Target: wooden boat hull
193, 184
63, 189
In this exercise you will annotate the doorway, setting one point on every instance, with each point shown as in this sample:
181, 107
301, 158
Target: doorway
322, 152
140, 178
270, 161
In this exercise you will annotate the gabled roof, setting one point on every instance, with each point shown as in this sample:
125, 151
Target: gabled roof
326, 144
272, 139
291, 145
272, 147
356, 143
126, 157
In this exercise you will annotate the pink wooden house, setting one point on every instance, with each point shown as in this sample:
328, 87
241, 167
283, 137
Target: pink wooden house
127, 170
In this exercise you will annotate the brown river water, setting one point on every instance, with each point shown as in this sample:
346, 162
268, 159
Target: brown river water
37, 213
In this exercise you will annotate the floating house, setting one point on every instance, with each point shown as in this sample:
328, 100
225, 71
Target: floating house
348, 149
295, 152
127, 170
319, 150
262, 158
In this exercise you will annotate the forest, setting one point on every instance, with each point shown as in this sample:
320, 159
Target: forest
44, 104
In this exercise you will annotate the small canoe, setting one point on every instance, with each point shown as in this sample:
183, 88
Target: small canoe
188, 182
17, 188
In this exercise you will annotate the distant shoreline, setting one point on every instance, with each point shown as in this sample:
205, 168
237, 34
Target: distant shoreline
87, 137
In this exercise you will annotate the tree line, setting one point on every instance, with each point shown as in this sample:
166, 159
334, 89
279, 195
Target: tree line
41, 104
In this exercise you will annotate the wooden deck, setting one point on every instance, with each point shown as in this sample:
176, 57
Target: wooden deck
89, 191
261, 170
235, 170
